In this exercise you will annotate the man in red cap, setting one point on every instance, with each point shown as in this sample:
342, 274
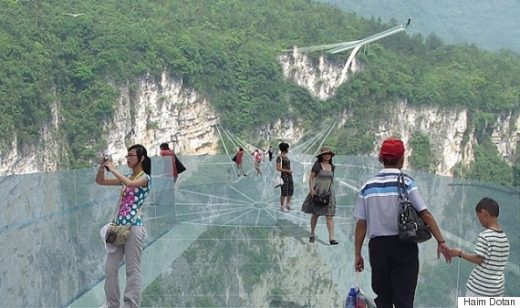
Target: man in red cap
394, 263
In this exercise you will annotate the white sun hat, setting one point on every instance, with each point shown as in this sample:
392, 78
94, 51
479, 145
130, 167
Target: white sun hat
110, 248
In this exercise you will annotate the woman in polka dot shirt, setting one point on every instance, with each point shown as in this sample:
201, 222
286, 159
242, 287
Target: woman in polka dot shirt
136, 187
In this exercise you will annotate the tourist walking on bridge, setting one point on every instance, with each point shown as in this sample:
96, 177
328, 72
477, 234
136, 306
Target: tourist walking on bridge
239, 159
270, 153
283, 165
321, 200
135, 189
257, 155
175, 166
394, 263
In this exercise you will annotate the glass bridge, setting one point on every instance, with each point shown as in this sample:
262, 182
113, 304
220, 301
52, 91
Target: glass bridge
216, 240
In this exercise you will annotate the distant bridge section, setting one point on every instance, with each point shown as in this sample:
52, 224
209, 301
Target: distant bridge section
354, 45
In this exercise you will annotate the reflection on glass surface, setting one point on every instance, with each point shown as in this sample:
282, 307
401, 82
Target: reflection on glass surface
215, 239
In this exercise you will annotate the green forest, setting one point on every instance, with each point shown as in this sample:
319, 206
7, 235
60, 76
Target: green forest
227, 51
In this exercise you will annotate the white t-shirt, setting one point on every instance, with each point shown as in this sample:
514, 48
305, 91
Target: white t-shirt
378, 202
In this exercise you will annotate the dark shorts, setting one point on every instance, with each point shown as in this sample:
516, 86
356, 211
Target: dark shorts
287, 189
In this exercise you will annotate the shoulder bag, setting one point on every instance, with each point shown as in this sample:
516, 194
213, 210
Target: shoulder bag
323, 199
412, 228
277, 180
118, 234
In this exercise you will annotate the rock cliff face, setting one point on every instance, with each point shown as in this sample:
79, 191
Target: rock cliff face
43, 156
446, 127
167, 111
506, 136
163, 111
322, 78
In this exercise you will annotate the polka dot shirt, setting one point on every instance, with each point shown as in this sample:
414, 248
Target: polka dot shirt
132, 199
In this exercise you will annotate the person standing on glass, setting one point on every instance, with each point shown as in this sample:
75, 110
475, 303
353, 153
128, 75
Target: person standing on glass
270, 153
283, 165
394, 263
166, 151
239, 159
257, 156
490, 255
135, 189
321, 181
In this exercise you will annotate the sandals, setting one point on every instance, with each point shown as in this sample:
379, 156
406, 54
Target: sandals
313, 238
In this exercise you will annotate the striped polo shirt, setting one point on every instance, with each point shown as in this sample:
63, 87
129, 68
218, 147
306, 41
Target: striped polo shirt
378, 202
487, 279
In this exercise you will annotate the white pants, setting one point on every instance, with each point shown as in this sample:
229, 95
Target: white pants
132, 251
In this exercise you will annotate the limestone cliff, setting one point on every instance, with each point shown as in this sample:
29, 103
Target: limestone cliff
166, 110
446, 127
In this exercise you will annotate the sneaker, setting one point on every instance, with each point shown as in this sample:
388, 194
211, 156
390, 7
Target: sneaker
284, 209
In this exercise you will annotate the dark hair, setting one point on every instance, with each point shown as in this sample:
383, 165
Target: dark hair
389, 162
164, 146
488, 204
283, 147
141, 152
320, 159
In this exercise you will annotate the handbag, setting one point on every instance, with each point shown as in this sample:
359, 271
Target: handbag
117, 234
277, 180
412, 228
179, 166
322, 199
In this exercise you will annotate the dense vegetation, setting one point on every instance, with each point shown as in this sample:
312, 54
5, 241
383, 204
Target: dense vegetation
226, 50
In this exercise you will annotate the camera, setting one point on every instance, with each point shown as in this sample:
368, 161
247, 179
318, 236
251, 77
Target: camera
106, 158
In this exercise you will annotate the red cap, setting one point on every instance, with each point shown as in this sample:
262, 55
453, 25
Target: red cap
392, 148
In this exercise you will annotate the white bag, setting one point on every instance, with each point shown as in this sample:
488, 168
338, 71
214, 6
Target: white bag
277, 181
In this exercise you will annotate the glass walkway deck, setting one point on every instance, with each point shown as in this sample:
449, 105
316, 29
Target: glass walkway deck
216, 240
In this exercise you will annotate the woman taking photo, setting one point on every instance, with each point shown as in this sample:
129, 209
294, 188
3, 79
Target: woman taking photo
135, 188
321, 184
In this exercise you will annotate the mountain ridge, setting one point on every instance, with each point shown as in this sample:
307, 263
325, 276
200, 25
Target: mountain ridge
71, 72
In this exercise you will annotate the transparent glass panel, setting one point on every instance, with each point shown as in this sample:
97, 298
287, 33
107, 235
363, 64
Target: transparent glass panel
216, 239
